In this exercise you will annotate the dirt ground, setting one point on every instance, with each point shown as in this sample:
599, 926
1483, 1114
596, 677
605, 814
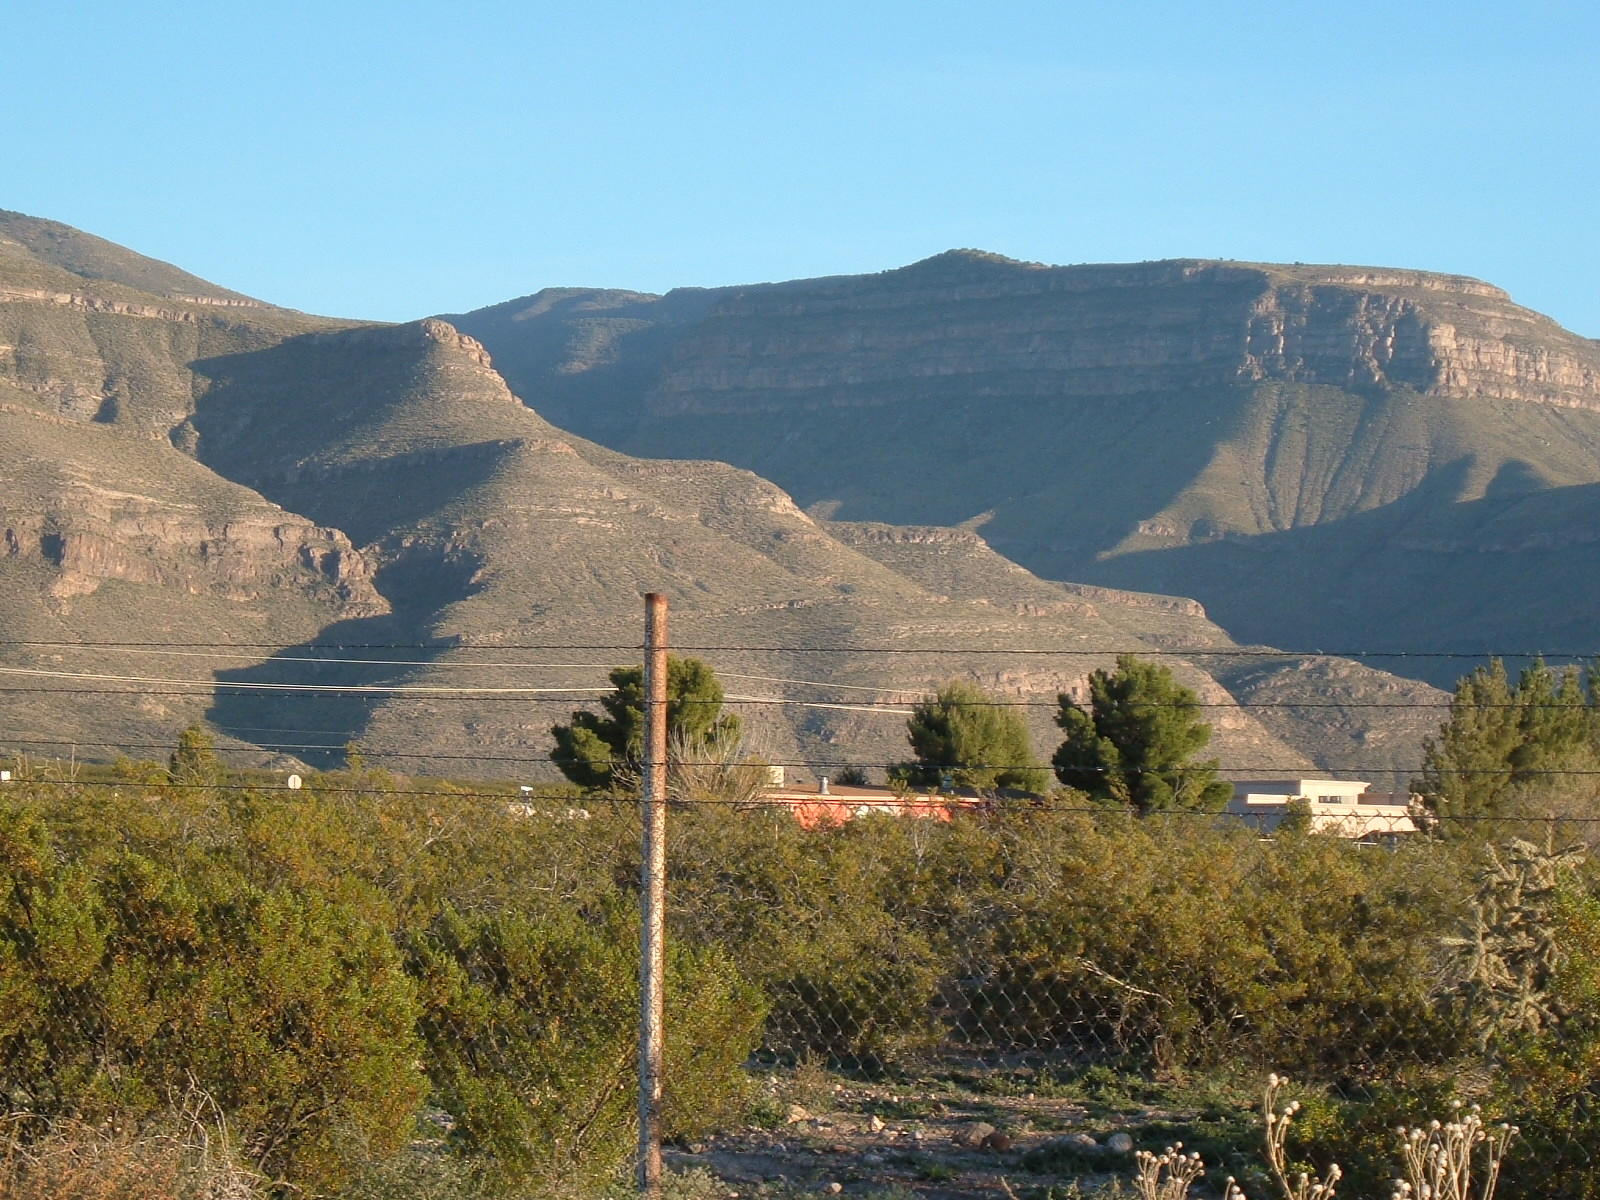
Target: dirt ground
935, 1139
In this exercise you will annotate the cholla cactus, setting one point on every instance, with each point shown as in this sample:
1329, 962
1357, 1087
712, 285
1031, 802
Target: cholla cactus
1301, 1185
1167, 1176
1510, 951
1438, 1158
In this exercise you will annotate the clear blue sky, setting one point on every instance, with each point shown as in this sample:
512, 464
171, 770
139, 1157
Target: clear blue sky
389, 160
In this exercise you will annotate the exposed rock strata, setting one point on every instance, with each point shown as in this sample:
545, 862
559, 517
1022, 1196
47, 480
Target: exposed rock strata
142, 541
190, 465
1181, 426
1004, 328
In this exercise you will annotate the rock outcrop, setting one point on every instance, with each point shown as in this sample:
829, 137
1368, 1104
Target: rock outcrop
89, 542
1166, 427
222, 482
993, 327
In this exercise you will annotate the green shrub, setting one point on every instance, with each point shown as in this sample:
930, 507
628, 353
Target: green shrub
1198, 946
531, 1028
125, 982
1549, 1081
316, 961
833, 925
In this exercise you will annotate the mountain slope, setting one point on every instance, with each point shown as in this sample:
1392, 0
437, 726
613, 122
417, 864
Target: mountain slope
1097, 423
489, 528
243, 483
34, 250
107, 531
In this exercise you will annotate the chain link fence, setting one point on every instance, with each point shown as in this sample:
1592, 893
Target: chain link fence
363, 982
1179, 960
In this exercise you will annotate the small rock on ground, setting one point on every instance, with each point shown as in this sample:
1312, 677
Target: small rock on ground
971, 1135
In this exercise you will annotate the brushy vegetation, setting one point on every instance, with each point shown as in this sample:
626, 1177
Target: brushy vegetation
328, 966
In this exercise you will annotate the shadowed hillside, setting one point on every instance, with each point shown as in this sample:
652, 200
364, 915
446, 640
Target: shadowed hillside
244, 483
489, 527
1145, 426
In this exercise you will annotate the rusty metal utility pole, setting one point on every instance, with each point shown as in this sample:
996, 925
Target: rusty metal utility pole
652, 893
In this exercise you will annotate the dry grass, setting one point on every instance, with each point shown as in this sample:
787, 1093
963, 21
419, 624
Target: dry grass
188, 1159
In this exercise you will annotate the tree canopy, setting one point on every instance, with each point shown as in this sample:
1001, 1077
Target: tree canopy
595, 749
960, 732
1503, 747
1135, 742
194, 760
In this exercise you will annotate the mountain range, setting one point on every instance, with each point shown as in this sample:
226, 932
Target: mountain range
849, 488
1330, 457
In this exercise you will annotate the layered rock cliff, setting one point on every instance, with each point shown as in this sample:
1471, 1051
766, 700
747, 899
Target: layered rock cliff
975, 326
201, 487
967, 324
1100, 423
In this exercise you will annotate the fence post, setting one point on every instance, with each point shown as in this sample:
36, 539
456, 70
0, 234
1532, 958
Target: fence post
652, 893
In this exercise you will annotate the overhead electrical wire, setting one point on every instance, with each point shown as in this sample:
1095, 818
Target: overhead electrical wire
199, 688
475, 666
813, 764
637, 648
363, 662
298, 687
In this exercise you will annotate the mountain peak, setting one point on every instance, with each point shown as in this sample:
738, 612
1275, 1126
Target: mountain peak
964, 261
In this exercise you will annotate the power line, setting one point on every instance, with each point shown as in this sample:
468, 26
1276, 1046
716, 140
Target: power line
433, 664
1139, 652
347, 735
338, 646
1293, 770
1082, 651
37, 672
571, 695
482, 666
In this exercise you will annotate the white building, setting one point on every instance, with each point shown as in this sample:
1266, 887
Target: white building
1337, 807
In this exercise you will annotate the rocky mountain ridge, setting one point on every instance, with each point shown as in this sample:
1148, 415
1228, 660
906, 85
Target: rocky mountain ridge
253, 483
1168, 427
1098, 330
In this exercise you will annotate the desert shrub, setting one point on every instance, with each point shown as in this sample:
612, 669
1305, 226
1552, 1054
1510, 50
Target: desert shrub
1519, 990
1198, 945
1548, 1080
827, 923
317, 960
1034, 927
531, 1031
183, 1155
125, 981
859, 993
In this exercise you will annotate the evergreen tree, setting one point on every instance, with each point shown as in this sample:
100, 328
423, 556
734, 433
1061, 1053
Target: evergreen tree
1502, 748
1135, 743
195, 759
596, 747
960, 733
